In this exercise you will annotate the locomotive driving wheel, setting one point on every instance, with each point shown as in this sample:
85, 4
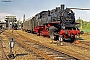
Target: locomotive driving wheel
51, 32
38, 34
52, 36
72, 40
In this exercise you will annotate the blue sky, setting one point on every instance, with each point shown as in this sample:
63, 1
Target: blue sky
31, 7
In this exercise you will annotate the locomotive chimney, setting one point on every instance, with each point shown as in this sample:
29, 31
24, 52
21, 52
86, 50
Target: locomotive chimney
62, 7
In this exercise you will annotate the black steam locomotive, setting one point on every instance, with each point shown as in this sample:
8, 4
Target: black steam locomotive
57, 23
14, 26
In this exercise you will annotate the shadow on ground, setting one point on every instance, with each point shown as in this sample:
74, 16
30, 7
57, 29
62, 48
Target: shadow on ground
79, 38
21, 54
12, 56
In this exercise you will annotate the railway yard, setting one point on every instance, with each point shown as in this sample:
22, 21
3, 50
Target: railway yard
44, 32
32, 47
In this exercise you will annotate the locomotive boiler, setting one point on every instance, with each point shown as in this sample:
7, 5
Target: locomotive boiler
58, 24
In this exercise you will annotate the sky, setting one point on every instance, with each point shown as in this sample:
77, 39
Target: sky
31, 7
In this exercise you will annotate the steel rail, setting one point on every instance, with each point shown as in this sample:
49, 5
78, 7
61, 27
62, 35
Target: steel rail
4, 57
42, 54
78, 55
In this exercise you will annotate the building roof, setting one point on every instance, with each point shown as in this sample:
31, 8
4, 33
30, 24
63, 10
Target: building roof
2, 22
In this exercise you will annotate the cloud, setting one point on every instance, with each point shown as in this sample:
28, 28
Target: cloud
88, 12
83, 15
2, 15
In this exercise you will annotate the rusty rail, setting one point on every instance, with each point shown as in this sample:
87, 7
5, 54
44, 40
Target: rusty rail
4, 57
76, 54
42, 54
66, 50
45, 56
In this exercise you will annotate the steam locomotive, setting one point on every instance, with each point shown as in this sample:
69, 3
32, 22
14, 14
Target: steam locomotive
14, 26
58, 24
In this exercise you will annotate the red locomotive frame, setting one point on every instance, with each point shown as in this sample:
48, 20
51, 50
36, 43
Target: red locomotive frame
43, 31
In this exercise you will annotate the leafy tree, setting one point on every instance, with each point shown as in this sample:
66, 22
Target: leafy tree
84, 25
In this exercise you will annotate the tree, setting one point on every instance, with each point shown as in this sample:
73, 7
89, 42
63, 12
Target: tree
84, 25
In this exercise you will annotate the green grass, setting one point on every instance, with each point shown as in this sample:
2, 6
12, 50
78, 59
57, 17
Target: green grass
86, 31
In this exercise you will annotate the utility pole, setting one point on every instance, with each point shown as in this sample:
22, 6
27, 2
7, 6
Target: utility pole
80, 22
23, 21
23, 18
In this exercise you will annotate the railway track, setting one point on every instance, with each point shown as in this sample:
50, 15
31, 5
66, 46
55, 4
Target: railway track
43, 51
76, 50
82, 46
71, 50
86, 43
19, 52
31, 55
2, 53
